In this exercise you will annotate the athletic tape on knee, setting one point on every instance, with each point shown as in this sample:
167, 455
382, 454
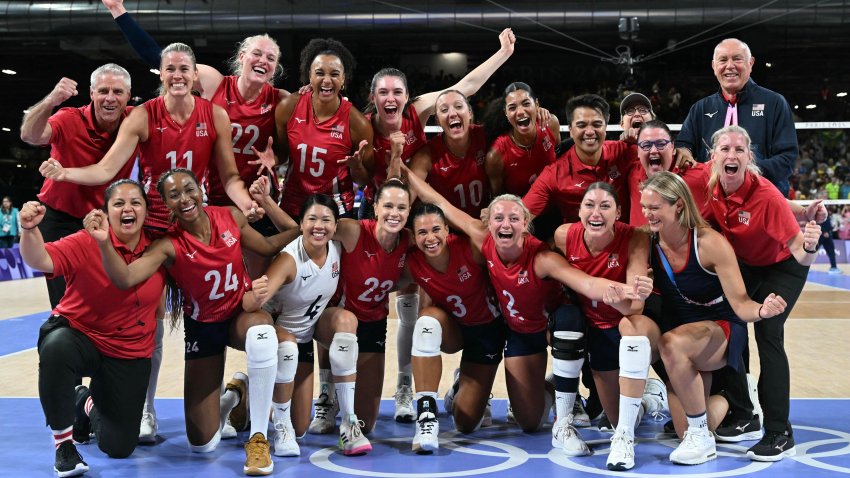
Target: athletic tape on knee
634, 357
343, 354
287, 362
568, 345
209, 447
407, 308
261, 346
427, 337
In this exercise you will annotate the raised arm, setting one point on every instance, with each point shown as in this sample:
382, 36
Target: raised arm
281, 271
549, 264
146, 48
361, 163
494, 166
260, 191
256, 242
124, 276
472, 227
32, 243
133, 130
804, 246
474, 80
35, 129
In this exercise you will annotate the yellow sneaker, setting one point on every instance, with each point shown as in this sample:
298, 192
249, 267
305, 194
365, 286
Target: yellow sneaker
239, 415
258, 461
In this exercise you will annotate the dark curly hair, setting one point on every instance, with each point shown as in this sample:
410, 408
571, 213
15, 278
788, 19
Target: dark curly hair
326, 46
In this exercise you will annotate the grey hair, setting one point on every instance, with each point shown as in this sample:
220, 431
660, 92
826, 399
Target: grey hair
747, 51
110, 69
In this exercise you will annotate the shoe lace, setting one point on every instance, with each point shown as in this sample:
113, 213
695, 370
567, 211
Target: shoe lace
404, 397
620, 443
690, 440
323, 407
426, 425
255, 450
68, 453
150, 417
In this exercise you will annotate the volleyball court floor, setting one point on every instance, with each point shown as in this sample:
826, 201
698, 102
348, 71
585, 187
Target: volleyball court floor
822, 435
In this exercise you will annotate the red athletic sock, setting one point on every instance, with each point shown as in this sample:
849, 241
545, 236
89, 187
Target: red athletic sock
60, 436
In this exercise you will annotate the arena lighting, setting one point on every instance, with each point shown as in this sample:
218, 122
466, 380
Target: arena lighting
6, 130
841, 94
9, 72
154, 71
811, 107
768, 64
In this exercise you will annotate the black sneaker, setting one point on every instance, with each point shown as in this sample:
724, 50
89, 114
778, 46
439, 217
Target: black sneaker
773, 447
670, 428
82, 424
68, 461
605, 424
739, 430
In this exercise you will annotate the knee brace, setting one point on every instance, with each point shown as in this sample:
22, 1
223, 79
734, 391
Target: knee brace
343, 354
261, 346
407, 309
427, 337
568, 345
634, 357
209, 447
287, 362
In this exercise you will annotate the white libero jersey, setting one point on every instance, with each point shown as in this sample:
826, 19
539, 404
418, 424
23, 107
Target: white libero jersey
297, 306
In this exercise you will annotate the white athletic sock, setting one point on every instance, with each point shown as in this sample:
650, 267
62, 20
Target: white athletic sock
629, 411
280, 411
260, 390
564, 402
345, 397
228, 400
699, 422
407, 308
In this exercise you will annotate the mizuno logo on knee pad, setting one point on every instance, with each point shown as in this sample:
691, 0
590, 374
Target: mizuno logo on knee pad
343, 348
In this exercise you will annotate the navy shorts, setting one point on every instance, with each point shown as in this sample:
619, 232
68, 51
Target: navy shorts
519, 345
603, 348
372, 336
205, 339
264, 226
483, 344
305, 352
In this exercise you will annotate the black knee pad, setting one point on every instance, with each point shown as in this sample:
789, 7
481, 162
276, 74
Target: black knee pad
569, 321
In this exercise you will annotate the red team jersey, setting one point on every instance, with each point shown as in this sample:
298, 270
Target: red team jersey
251, 123
415, 135
120, 323
463, 290
462, 181
610, 264
525, 299
170, 146
369, 273
757, 221
314, 149
76, 142
696, 177
212, 277
565, 181
522, 166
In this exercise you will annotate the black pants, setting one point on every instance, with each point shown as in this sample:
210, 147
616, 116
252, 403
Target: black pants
7, 242
55, 226
828, 245
118, 386
786, 279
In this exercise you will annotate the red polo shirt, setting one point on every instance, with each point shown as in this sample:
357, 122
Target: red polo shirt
757, 221
120, 323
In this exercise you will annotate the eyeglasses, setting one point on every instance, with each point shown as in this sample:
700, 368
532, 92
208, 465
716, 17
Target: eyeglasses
637, 109
658, 143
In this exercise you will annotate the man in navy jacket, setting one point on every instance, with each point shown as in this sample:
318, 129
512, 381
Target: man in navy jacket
763, 113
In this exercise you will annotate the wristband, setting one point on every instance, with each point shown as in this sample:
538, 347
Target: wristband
29, 228
759, 312
814, 251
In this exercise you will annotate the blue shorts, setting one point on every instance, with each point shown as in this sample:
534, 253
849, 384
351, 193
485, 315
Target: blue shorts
372, 336
603, 348
483, 344
519, 345
205, 339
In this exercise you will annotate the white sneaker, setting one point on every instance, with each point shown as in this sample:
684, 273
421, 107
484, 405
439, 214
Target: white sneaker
510, 415
449, 397
351, 438
580, 417
753, 389
487, 418
284, 439
148, 427
404, 405
227, 431
654, 398
324, 419
566, 437
239, 416
427, 430
697, 447
622, 455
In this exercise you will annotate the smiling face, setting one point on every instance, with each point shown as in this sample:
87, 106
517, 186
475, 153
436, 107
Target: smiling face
390, 97
521, 110
732, 65
109, 96
183, 197
587, 129
318, 225
259, 60
507, 223
126, 209
731, 157
392, 209
655, 160
430, 232
327, 77
635, 117
598, 213
178, 73
453, 115
658, 212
